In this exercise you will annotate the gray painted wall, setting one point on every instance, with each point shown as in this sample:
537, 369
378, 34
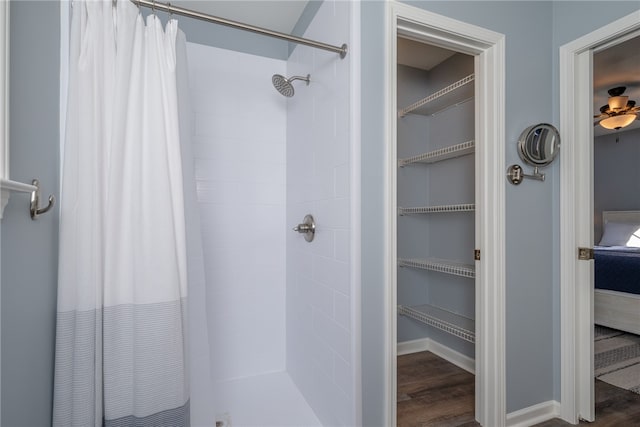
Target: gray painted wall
534, 31
28, 290
372, 223
29, 248
616, 175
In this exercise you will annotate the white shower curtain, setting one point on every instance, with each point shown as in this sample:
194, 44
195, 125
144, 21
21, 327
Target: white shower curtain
121, 345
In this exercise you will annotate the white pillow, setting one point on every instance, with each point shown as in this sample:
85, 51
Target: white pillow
621, 234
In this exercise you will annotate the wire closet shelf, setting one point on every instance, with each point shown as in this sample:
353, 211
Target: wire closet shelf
436, 95
169, 8
444, 320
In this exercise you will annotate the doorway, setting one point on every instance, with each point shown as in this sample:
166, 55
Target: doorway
486, 51
577, 214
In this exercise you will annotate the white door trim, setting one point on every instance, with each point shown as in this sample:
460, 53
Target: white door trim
488, 48
576, 216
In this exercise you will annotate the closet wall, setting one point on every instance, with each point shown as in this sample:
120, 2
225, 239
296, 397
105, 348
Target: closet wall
435, 197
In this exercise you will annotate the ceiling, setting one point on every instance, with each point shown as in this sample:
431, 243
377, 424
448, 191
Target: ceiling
278, 15
618, 65
421, 55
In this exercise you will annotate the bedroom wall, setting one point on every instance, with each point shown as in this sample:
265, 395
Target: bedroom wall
616, 175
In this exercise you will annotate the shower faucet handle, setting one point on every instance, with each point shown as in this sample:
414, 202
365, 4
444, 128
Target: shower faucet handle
307, 227
302, 228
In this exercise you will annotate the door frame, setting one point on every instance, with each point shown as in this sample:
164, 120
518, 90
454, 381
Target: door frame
576, 214
488, 49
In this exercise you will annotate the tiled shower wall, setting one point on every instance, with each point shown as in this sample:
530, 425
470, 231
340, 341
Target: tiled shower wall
239, 138
262, 163
319, 326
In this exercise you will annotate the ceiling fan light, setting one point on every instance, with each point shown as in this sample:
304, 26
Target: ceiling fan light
617, 103
619, 121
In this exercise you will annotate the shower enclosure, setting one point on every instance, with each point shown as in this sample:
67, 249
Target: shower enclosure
275, 310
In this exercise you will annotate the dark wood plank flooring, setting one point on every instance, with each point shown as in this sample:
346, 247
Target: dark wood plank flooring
615, 407
434, 392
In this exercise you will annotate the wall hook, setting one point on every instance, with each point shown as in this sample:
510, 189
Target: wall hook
35, 201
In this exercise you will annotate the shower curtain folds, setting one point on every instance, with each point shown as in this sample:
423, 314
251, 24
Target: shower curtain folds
121, 356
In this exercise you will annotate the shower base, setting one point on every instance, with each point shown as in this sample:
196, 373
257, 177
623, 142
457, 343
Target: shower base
263, 400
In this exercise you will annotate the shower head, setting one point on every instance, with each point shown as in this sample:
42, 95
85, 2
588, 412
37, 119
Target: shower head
284, 86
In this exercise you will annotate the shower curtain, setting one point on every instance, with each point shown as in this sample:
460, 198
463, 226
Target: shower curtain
121, 356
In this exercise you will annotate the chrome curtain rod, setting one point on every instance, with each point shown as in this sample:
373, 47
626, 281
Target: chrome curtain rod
168, 7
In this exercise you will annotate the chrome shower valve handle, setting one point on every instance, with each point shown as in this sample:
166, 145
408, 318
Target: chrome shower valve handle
307, 227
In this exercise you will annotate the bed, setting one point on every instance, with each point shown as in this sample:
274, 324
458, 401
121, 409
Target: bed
617, 272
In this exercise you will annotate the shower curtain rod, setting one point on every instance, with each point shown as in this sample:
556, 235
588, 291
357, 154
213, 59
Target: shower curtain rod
168, 7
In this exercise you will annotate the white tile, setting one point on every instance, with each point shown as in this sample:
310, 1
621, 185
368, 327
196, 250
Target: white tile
262, 163
341, 179
266, 400
322, 356
342, 310
331, 273
342, 246
322, 298
323, 242
342, 374
332, 334
240, 165
335, 212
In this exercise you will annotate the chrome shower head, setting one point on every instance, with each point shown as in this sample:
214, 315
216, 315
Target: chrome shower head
284, 86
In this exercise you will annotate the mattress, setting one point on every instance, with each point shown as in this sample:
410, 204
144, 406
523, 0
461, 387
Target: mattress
617, 268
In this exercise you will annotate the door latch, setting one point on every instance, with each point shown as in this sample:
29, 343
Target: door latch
585, 254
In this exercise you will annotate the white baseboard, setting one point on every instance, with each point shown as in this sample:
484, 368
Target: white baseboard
427, 344
534, 414
413, 346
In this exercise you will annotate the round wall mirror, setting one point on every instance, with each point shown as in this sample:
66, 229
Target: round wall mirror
539, 144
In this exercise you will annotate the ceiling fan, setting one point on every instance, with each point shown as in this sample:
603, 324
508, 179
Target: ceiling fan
619, 112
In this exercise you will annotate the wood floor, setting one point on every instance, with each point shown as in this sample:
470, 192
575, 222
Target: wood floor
434, 392
615, 407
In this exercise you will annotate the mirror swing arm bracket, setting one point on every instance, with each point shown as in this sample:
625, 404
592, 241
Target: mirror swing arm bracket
516, 175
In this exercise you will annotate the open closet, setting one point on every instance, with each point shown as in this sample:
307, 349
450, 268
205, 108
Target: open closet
436, 222
445, 228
